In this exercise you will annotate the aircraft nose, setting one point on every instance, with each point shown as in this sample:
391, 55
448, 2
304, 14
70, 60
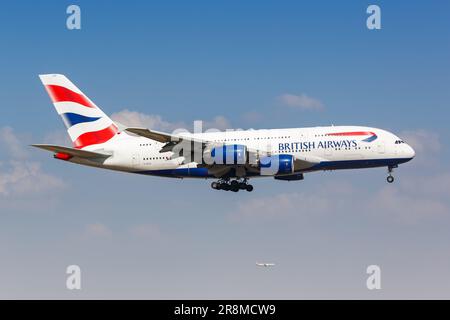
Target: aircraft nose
409, 151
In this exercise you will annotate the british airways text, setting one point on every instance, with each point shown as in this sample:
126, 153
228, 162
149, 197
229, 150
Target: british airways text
307, 145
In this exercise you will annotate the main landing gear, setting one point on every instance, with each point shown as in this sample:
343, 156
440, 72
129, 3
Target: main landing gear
390, 177
233, 185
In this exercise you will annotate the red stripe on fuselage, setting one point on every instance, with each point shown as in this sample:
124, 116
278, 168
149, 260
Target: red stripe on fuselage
354, 133
62, 94
95, 137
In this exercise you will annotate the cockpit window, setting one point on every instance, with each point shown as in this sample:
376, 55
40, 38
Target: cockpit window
399, 141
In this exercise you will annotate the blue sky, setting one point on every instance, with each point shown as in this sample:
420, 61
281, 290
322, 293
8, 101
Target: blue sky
228, 63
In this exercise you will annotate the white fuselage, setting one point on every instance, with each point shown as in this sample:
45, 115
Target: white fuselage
334, 147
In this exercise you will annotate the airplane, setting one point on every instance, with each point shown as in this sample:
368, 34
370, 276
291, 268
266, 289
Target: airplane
265, 264
231, 158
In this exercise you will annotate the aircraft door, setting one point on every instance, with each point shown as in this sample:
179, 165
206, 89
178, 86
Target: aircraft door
381, 148
135, 159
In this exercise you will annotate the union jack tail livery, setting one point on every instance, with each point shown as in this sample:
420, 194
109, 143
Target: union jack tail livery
86, 123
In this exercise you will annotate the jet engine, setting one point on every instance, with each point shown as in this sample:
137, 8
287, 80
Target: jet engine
231, 154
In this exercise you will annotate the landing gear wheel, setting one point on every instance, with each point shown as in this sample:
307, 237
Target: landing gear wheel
234, 185
243, 186
390, 178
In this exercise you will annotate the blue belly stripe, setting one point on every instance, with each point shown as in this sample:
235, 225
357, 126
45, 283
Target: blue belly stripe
325, 165
180, 172
357, 164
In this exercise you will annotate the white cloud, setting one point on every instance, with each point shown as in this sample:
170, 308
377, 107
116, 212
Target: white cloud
137, 119
301, 102
426, 144
13, 146
24, 177
218, 122
18, 175
422, 140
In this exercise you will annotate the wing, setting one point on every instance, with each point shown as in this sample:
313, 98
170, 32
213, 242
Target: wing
301, 163
304, 162
72, 152
153, 134
170, 140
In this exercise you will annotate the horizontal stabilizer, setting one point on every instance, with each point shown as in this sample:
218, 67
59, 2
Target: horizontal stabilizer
71, 151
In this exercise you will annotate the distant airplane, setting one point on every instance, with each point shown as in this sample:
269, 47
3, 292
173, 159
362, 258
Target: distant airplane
231, 157
265, 264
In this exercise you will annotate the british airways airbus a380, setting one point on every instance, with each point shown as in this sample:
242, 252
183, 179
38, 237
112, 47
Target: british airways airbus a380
231, 157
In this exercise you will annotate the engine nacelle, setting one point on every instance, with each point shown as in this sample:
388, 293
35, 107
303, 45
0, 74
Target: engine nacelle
277, 164
229, 154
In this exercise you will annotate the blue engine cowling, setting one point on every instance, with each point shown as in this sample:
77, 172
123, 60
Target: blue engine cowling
278, 164
229, 154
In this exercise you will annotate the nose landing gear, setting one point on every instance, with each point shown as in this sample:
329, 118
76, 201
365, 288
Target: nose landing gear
390, 177
234, 185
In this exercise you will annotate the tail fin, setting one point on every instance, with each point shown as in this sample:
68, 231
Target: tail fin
85, 122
